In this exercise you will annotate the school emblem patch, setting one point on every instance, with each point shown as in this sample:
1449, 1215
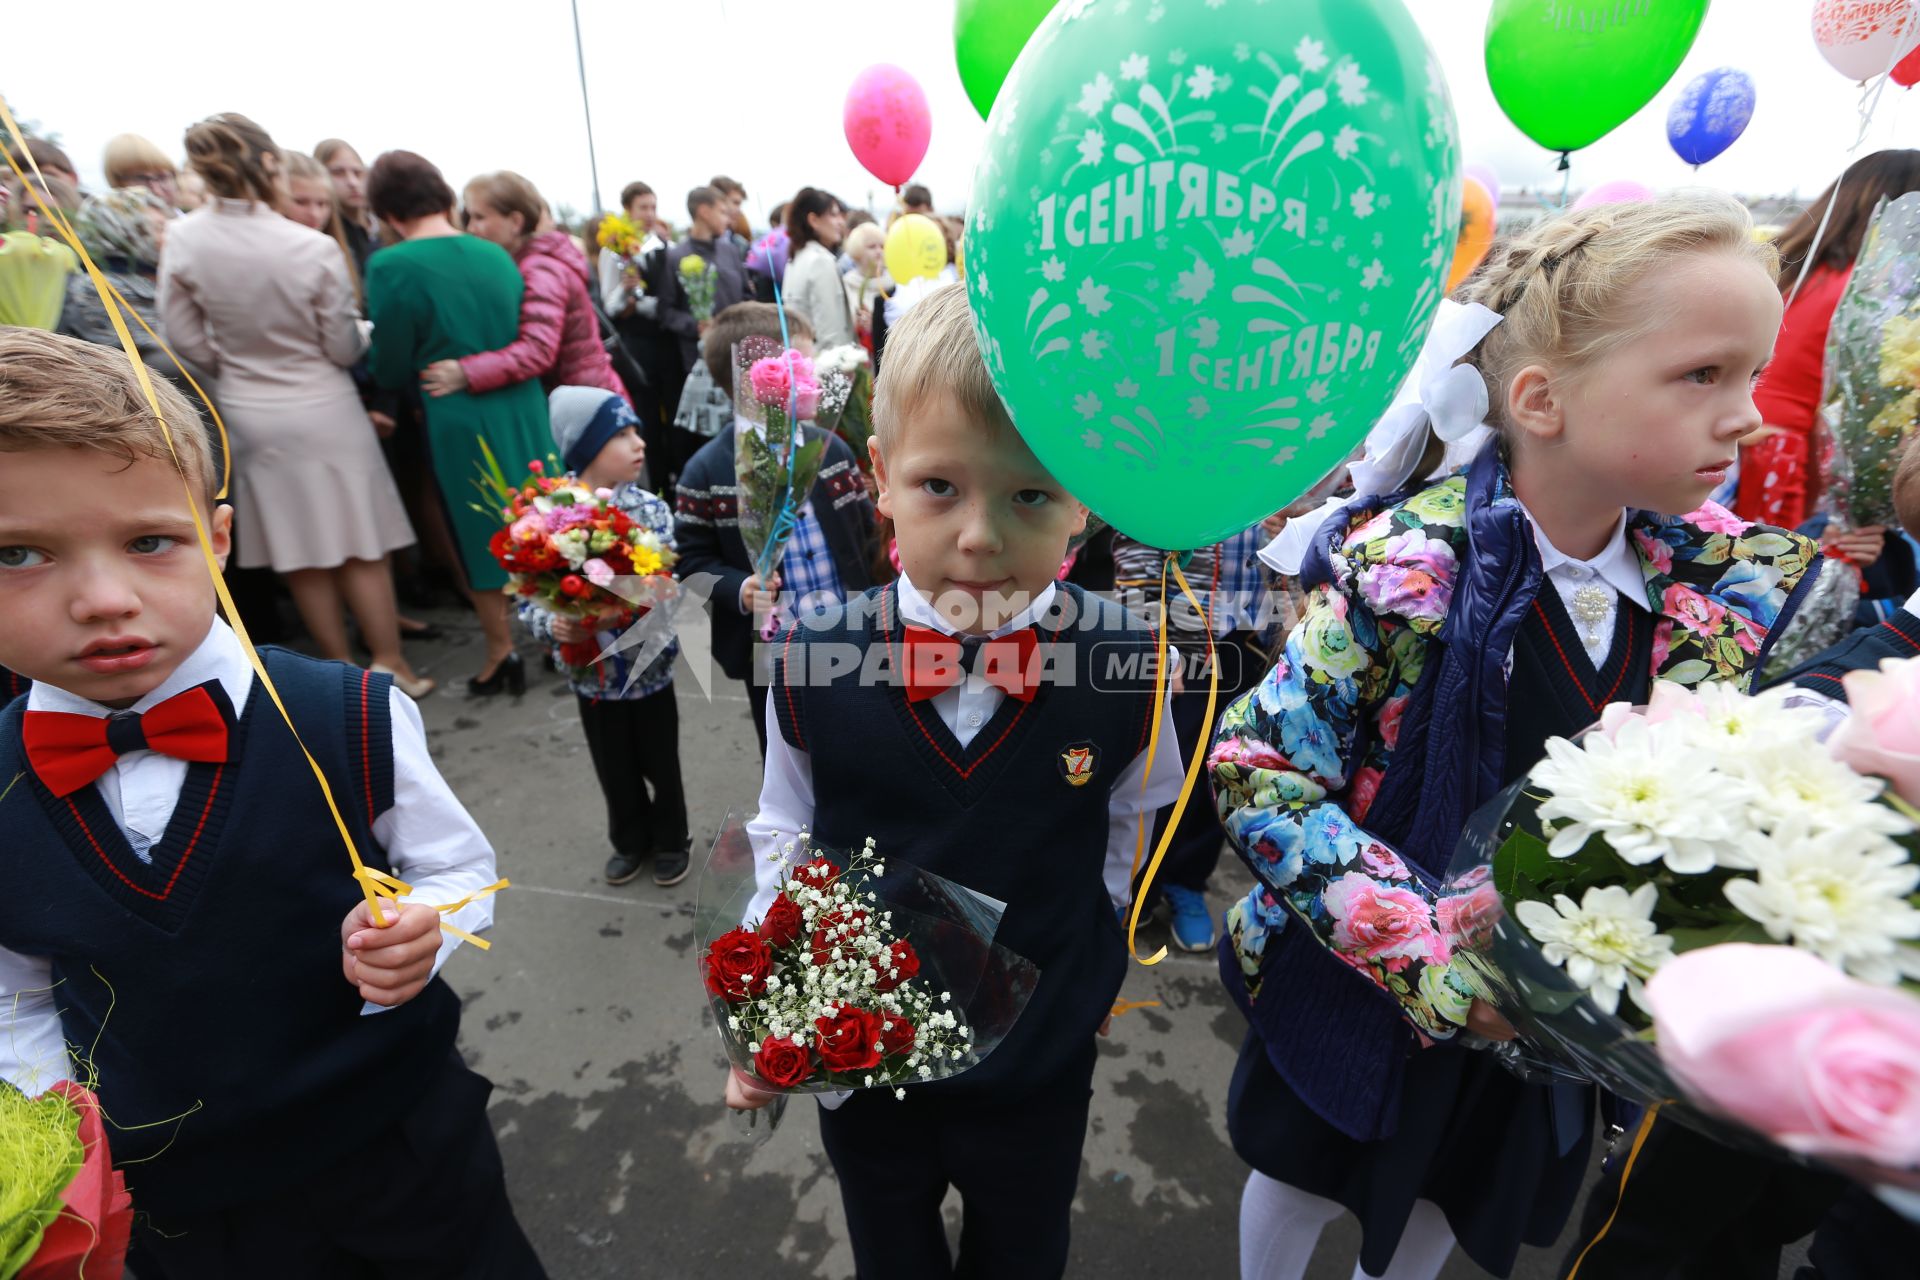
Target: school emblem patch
1078, 763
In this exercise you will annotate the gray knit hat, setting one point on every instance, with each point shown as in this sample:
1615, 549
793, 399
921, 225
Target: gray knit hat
584, 419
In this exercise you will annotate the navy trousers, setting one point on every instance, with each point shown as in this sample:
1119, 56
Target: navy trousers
424, 1201
1016, 1165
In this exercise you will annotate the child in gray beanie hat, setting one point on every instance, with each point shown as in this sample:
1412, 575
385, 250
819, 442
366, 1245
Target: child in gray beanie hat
632, 721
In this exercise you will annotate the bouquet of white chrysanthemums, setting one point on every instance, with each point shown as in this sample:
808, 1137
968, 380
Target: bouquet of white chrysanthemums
1695, 839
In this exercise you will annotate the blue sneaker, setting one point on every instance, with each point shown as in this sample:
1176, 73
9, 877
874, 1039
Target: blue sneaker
1192, 920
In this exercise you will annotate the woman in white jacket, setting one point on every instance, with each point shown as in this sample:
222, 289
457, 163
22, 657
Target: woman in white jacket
816, 224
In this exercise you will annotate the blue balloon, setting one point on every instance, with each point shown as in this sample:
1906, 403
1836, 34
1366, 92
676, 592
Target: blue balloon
1710, 113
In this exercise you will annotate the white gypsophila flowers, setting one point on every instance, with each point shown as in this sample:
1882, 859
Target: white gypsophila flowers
1638, 789
1843, 895
1605, 942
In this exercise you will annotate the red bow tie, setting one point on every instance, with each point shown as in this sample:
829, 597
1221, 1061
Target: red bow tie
935, 662
68, 751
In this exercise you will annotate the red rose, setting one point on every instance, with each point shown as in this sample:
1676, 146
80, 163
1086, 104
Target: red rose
849, 1040
836, 929
536, 466
781, 925
737, 965
574, 585
899, 963
896, 1036
782, 1062
817, 874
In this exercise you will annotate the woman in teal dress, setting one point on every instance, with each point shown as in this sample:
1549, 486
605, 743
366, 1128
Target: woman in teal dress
438, 295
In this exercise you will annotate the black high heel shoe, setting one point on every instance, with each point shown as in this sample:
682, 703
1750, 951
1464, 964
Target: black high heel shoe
510, 673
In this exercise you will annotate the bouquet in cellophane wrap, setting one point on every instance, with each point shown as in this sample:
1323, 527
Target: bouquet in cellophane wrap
1873, 366
846, 398
775, 391
574, 552
850, 974
1708, 904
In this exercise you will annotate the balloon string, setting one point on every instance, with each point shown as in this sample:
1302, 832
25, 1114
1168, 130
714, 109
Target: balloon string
1870, 91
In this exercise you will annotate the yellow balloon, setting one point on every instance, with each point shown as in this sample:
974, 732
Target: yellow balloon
916, 248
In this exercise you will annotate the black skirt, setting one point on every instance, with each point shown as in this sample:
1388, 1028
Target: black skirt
1472, 1138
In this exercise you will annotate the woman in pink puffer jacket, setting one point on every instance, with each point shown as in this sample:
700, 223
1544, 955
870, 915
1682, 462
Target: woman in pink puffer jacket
559, 340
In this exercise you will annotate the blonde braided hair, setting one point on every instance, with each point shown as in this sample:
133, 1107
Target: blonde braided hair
1562, 284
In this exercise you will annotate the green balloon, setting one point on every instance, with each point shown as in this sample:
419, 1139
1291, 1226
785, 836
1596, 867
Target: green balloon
987, 36
1568, 74
1206, 244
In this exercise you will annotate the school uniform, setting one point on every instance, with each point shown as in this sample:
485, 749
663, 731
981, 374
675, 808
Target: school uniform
975, 779
175, 909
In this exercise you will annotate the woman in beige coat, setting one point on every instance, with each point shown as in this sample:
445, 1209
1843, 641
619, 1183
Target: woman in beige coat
267, 304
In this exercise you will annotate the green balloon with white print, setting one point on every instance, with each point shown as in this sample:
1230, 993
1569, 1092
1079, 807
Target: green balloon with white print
1205, 242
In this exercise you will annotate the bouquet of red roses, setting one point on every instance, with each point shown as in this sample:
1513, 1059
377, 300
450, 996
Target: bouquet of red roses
834, 984
574, 552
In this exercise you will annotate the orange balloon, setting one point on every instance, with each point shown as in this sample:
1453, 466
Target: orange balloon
1476, 232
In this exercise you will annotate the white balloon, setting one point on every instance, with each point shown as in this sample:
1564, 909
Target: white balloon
1862, 39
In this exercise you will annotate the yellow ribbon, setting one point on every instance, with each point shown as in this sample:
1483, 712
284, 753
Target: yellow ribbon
1633, 1153
1153, 749
375, 885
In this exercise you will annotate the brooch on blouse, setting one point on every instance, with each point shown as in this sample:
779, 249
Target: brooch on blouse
1591, 604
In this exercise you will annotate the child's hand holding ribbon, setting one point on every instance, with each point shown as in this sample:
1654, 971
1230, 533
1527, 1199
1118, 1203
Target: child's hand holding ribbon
390, 965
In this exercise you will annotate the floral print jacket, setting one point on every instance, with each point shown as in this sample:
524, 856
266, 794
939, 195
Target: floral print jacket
1297, 761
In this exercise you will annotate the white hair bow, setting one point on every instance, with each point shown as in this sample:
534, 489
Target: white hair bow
1441, 395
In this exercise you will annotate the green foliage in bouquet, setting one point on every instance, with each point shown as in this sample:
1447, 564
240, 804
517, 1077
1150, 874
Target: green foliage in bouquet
764, 484
1873, 364
40, 1154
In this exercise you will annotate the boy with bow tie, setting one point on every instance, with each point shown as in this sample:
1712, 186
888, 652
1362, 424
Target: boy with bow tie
984, 722
176, 901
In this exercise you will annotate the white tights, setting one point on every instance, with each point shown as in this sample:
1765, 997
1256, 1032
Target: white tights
1279, 1226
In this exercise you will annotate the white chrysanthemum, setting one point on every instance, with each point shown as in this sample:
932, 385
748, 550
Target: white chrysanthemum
1639, 789
1805, 787
1841, 895
1606, 942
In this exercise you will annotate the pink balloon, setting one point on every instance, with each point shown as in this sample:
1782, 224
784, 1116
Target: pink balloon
888, 123
1486, 177
1619, 191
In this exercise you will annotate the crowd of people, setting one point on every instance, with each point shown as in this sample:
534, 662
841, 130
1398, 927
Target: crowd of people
373, 339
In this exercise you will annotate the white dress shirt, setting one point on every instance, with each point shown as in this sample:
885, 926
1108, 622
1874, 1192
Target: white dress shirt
1617, 569
786, 791
431, 841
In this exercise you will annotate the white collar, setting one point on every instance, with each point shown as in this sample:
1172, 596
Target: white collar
1617, 565
918, 610
218, 657
1913, 604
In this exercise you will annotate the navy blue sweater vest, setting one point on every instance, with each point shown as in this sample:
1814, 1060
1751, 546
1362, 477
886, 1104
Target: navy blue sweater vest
206, 986
1020, 814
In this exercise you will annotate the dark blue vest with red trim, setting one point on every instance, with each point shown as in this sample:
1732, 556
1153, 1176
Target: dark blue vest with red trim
1864, 650
206, 986
1019, 814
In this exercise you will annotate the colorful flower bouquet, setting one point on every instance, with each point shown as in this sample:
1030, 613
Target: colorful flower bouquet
697, 278
1873, 366
850, 974
846, 398
619, 236
64, 1209
776, 390
572, 551
1705, 836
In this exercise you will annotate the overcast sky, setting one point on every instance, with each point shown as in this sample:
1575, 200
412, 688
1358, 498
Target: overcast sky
753, 88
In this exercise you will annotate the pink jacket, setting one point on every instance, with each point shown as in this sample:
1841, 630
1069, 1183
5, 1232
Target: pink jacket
559, 340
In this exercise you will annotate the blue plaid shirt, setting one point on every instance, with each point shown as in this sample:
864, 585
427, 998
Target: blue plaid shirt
808, 580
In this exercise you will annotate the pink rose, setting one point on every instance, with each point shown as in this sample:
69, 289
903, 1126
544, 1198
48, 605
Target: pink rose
1653, 551
1665, 702
1467, 919
1381, 862
1361, 795
1692, 610
1777, 1039
1715, 518
1250, 752
1882, 735
1379, 922
786, 382
598, 572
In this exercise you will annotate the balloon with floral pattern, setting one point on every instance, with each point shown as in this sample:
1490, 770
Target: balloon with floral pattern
1206, 241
